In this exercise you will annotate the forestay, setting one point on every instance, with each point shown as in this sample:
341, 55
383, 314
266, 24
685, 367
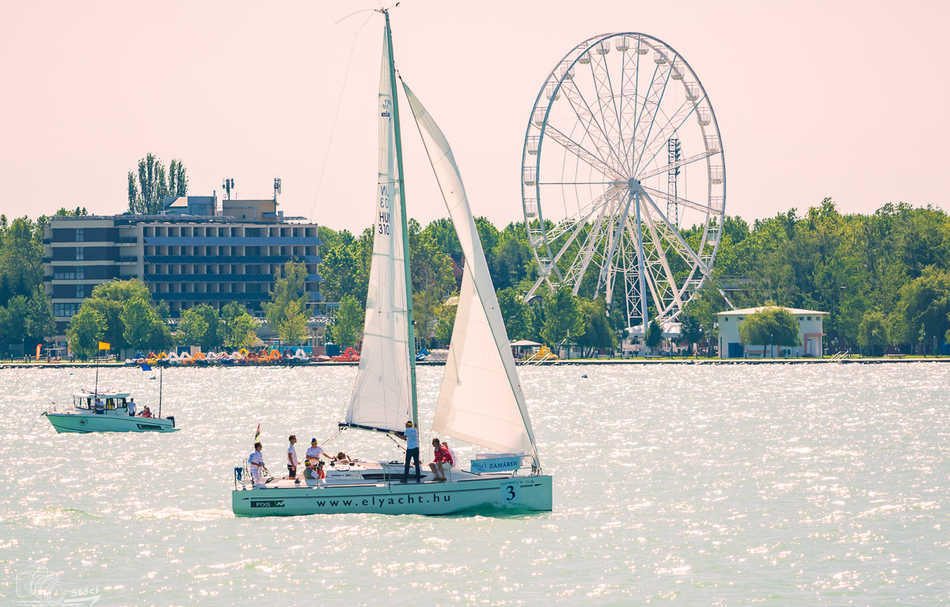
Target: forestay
381, 398
481, 400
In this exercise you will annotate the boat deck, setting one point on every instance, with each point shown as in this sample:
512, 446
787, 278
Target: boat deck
364, 474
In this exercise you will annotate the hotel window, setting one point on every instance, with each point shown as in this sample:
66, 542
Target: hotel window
79, 253
79, 235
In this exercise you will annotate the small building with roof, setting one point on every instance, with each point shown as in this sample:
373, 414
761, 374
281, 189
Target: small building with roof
524, 347
633, 343
810, 334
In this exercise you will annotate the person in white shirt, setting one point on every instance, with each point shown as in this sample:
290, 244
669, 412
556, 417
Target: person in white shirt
256, 461
131, 407
315, 452
292, 458
412, 452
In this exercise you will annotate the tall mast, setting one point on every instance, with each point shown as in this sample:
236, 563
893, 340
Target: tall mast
405, 226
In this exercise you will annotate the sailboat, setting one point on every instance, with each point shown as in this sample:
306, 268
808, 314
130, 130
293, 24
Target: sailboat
480, 400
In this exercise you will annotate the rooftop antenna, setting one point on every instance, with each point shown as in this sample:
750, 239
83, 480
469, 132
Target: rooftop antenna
276, 187
228, 185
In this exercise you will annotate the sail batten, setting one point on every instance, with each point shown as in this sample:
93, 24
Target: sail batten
383, 395
480, 400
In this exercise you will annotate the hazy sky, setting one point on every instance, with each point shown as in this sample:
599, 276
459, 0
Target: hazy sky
814, 99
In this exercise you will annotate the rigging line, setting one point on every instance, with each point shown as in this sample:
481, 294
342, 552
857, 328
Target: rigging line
362, 10
339, 105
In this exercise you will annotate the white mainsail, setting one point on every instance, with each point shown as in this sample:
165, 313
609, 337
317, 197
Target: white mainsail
481, 400
382, 396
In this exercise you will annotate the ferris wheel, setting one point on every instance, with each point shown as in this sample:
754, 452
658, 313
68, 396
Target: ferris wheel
623, 179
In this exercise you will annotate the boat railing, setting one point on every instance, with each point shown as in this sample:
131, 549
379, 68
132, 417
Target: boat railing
240, 475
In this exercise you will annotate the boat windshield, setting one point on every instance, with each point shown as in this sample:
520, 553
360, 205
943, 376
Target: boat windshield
85, 401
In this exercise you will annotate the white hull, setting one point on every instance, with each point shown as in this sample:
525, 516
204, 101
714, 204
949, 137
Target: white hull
472, 493
92, 422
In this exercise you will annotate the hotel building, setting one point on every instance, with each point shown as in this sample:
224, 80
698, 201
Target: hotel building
200, 250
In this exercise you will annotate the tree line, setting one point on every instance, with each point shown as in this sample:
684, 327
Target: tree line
123, 314
26, 316
884, 278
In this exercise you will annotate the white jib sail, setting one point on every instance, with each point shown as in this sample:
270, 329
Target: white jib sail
381, 397
481, 400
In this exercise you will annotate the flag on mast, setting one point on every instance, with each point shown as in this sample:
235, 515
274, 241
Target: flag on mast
257, 435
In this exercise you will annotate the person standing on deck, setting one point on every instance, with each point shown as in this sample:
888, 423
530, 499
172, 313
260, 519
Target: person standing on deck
412, 452
315, 452
256, 461
292, 458
131, 407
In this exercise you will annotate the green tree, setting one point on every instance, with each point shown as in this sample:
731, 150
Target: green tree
654, 335
512, 261
925, 306
160, 337
445, 322
691, 330
85, 330
192, 327
240, 331
289, 286
771, 326
21, 258
109, 299
433, 280
151, 185
347, 327
237, 326
138, 320
26, 320
596, 332
177, 179
562, 317
212, 338
13, 321
337, 269
516, 314
872, 333
293, 326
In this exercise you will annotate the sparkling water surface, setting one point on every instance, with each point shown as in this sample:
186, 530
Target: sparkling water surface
673, 485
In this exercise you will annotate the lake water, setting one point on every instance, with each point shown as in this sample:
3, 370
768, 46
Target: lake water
674, 485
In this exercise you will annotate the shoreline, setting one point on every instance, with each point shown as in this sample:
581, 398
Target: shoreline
569, 362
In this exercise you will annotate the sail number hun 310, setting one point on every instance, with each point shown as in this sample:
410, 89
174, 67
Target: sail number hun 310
382, 222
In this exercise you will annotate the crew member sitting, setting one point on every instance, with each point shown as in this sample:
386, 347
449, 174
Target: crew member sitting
146, 412
309, 473
443, 462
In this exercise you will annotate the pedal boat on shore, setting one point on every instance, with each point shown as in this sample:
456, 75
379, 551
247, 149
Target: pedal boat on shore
112, 416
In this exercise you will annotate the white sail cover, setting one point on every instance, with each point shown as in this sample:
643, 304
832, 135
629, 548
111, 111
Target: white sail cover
381, 397
481, 400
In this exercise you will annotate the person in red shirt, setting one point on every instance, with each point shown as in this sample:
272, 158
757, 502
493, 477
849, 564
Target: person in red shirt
443, 461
